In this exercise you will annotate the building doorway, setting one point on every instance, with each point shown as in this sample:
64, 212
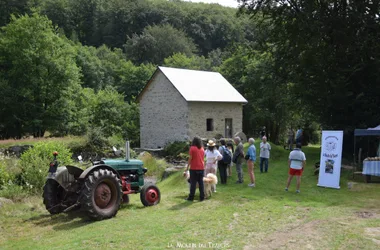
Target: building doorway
228, 128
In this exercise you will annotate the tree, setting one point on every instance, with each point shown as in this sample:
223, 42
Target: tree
37, 66
8, 7
331, 53
269, 96
179, 60
157, 43
109, 112
126, 77
94, 74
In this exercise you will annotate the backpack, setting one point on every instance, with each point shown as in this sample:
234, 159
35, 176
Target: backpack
227, 156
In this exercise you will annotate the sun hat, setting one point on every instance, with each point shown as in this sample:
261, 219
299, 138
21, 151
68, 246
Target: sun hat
211, 143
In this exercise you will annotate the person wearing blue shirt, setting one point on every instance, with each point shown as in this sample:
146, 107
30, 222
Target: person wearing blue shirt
251, 158
299, 135
222, 166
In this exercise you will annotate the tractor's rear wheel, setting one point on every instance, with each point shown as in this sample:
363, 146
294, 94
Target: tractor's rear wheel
101, 194
150, 195
53, 196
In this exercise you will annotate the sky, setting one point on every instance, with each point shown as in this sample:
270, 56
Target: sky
229, 3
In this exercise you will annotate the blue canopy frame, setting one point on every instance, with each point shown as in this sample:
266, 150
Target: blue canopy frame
368, 132
365, 132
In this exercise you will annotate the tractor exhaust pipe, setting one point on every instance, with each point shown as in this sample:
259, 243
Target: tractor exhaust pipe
127, 151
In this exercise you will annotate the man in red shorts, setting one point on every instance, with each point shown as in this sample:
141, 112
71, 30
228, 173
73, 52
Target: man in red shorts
296, 162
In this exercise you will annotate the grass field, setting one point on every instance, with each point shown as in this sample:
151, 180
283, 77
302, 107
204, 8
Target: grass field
236, 217
31, 141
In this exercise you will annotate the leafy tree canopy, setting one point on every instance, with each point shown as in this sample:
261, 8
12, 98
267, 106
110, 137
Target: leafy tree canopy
331, 53
38, 67
158, 42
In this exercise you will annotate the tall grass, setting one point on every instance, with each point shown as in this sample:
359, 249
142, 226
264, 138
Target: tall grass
67, 140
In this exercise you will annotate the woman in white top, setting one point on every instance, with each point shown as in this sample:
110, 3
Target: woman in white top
212, 157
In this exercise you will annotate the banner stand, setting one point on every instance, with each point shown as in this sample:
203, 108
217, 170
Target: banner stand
331, 159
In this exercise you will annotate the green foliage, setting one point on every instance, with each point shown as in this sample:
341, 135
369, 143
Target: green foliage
117, 141
13, 192
4, 175
269, 95
131, 125
96, 140
94, 74
10, 171
9, 7
38, 70
109, 111
156, 167
110, 22
35, 163
158, 42
176, 149
103, 67
333, 66
179, 60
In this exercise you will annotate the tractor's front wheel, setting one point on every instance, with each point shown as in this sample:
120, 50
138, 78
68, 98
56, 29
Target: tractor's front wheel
101, 194
53, 196
150, 195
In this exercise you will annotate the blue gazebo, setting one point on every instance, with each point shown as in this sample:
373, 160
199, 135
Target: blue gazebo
364, 133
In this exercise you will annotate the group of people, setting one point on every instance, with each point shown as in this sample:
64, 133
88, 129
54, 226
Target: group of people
202, 162
298, 135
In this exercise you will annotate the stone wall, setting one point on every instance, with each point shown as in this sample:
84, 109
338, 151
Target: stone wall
163, 114
199, 112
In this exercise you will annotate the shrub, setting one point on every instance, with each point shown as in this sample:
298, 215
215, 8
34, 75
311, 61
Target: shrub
156, 167
9, 170
13, 192
35, 163
117, 141
176, 148
4, 175
96, 140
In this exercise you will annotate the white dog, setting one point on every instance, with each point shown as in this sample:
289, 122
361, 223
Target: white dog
208, 182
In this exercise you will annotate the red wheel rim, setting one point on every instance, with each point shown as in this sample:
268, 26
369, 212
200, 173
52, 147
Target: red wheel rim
102, 195
151, 195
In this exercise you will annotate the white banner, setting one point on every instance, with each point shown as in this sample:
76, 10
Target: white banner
331, 159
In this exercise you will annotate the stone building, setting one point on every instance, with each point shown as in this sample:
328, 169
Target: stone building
178, 104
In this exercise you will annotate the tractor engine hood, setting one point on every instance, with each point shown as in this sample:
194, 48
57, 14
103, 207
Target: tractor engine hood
122, 164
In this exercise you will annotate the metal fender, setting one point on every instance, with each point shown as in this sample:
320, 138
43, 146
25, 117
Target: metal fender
96, 167
63, 177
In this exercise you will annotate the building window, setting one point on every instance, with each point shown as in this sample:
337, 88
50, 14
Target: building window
210, 125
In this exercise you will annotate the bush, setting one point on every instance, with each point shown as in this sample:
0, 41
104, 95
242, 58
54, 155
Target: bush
35, 163
117, 141
4, 175
96, 140
13, 192
156, 167
9, 170
176, 148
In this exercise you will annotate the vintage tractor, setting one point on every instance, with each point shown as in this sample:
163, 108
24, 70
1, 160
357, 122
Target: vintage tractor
100, 189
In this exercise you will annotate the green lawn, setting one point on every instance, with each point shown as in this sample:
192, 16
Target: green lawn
236, 217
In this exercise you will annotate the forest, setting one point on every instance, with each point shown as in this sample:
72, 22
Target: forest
73, 67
